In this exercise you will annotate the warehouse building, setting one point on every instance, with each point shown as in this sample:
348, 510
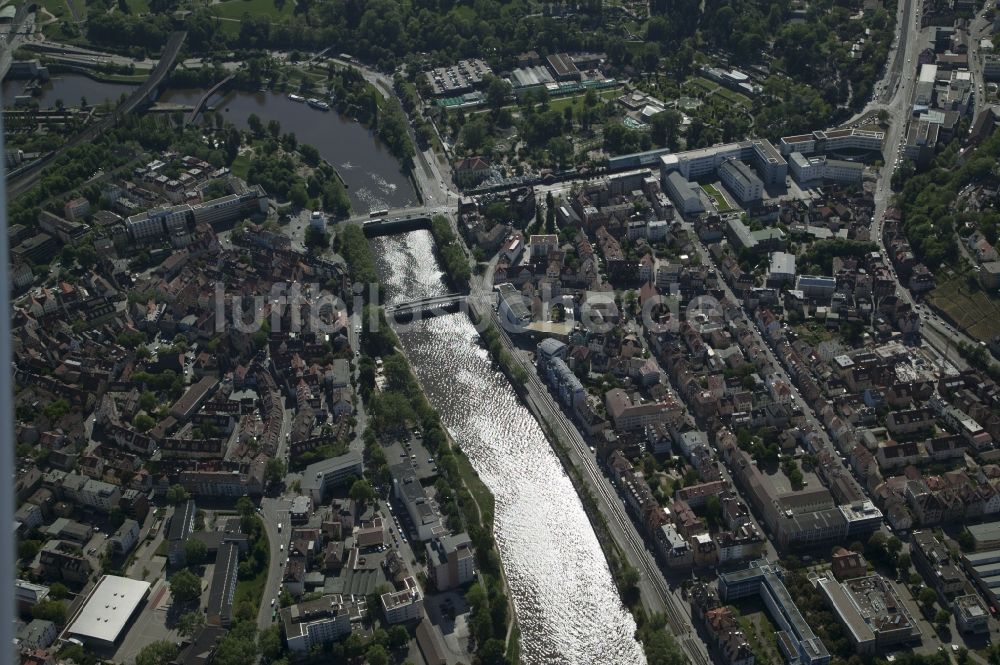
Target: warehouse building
108, 609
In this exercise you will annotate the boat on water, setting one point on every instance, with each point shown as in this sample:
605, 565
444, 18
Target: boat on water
296, 98
318, 104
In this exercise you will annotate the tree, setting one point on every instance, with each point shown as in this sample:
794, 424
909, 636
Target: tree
966, 541
491, 652
195, 552
58, 590
245, 507
275, 470
255, 124
176, 494
50, 610
362, 492
316, 239
239, 646
298, 195
185, 586
398, 637
903, 562
942, 617
190, 623
269, 642
497, 92
162, 652
377, 655
143, 422
713, 510
927, 596
28, 549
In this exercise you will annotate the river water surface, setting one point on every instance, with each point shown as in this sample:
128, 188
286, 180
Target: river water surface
568, 608
373, 177
70, 88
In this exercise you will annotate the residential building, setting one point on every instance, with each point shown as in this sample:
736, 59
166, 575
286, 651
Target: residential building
682, 193
796, 639
38, 634
125, 537
181, 527
316, 622
451, 561
320, 477
741, 181
874, 617
404, 605
63, 562
422, 511
970, 614
223, 589
932, 559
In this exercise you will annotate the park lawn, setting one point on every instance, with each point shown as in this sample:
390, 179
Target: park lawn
734, 97
964, 301
240, 166
80, 6
812, 332
576, 101
701, 85
721, 204
267, 8
138, 6
57, 8
251, 590
479, 491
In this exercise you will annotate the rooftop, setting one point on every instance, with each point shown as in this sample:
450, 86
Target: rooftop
108, 608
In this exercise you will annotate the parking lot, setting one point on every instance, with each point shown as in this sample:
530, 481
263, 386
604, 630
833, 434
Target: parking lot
412, 449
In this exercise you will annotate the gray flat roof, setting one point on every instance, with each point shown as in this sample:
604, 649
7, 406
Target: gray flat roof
108, 608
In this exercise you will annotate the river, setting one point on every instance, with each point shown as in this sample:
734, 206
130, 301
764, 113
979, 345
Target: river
69, 88
373, 176
568, 608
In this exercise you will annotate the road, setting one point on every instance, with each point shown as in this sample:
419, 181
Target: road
21, 30
939, 335
273, 512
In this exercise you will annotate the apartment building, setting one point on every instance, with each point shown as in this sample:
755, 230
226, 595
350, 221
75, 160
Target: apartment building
822, 168
797, 641
404, 605
316, 622
451, 561
741, 181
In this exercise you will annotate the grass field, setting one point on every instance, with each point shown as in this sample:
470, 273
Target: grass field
971, 308
240, 166
237, 8
57, 8
721, 204
576, 101
704, 87
138, 6
479, 491
813, 332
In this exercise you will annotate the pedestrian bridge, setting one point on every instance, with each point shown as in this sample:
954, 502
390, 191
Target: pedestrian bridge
426, 307
388, 227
